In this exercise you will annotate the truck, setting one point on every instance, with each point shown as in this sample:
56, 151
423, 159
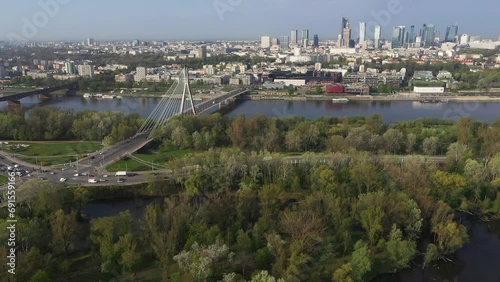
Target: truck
92, 181
121, 173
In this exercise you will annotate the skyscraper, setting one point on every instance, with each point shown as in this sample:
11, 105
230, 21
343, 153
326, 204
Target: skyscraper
90, 42
265, 42
293, 38
451, 33
316, 41
346, 33
285, 42
2, 72
305, 37
398, 36
411, 35
428, 35
69, 68
362, 32
377, 36
86, 70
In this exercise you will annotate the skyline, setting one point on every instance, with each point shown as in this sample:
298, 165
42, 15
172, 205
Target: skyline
46, 20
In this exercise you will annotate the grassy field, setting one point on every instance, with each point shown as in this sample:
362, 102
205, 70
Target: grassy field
51, 153
157, 157
3, 180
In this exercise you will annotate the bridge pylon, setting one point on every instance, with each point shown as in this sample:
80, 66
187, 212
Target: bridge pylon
178, 100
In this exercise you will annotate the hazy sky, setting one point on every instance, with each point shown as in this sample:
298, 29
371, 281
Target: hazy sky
234, 19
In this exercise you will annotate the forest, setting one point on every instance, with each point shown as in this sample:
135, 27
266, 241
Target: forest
243, 209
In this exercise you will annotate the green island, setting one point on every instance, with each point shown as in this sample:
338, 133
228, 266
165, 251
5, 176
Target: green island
266, 199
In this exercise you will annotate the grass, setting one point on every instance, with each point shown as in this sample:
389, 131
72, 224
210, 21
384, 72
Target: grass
3, 180
157, 157
52, 153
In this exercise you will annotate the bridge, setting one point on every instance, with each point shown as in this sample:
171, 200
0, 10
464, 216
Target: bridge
178, 100
42, 93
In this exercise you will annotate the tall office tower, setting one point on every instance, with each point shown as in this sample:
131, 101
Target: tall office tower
377, 36
316, 41
411, 35
265, 42
284, 43
69, 67
362, 32
346, 33
293, 37
451, 33
305, 37
428, 35
345, 21
90, 42
398, 35
2, 72
136, 43
275, 42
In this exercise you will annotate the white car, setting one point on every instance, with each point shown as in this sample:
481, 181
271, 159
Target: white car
76, 175
62, 179
105, 176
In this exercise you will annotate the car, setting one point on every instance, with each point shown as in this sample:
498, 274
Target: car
62, 179
52, 173
119, 181
76, 175
105, 176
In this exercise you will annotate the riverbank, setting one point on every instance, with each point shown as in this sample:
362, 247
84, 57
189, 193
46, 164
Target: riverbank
396, 97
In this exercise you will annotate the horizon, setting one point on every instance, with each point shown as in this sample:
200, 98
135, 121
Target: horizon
231, 20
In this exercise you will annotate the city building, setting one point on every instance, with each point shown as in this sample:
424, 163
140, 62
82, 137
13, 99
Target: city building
265, 42
377, 36
305, 38
2, 72
428, 35
451, 33
285, 43
316, 41
464, 39
202, 52
136, 43
293, 37
90, 42
275, 42
140, 74
398, 36
362, 32
411, 35
346, 33
69, 68
86, 70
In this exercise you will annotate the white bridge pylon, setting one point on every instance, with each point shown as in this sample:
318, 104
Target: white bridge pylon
178, 100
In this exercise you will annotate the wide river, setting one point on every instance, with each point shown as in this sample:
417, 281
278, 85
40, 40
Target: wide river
392, 111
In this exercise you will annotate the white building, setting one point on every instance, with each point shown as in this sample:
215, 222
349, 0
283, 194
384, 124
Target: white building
86, 70
429, 90
265, 42
464, 39
140, 74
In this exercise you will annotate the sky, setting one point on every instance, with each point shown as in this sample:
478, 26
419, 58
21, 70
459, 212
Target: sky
234, 19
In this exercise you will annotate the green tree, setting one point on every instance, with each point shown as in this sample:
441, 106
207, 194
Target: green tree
64, 230
361, 260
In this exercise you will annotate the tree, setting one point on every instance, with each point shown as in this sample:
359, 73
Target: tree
361, 260
374, 123
304, 227
204, 262
456, 153
393, 139
399, 252
64, 229
371, 220
40, 276
430, 146
343, 274
411, 140
264, 276
431, 254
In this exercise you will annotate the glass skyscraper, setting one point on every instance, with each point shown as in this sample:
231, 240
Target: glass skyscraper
451, 33
428, 35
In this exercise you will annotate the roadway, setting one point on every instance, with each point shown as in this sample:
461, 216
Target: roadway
19, 96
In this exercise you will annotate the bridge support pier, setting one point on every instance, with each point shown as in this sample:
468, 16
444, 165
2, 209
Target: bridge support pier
44, 96
14, 103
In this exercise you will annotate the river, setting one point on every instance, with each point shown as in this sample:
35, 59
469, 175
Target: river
392, 111
476, 261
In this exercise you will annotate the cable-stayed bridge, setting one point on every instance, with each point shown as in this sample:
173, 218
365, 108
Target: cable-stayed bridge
178, 100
